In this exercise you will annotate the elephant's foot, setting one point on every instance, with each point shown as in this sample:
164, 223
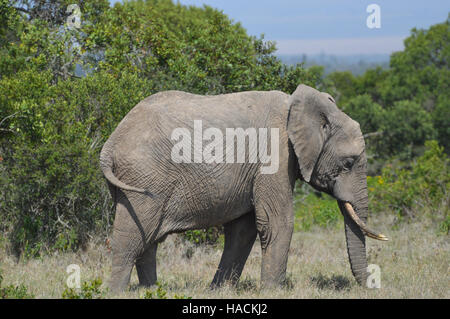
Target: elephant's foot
146, 266
120, 277
274, 262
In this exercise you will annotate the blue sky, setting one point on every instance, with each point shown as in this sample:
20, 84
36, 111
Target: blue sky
331, 26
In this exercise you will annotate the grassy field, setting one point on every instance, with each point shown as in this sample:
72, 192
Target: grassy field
414, 264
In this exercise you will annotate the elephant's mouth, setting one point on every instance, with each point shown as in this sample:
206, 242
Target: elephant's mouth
369, 233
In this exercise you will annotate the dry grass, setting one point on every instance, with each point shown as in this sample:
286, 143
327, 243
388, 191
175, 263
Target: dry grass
414, 264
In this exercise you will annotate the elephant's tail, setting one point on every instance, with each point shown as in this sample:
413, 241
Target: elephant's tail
106, 165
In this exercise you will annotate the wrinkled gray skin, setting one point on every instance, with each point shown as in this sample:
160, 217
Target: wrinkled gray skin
317, 143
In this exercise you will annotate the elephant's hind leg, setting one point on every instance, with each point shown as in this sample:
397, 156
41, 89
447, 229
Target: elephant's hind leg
128, 243
240, 235
146, 266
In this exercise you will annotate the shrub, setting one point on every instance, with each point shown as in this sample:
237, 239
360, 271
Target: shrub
14, 292
405, 127
89, 290
314, 209
53, 192
407, 190
53, 122
208, 236
160, 293
421, 187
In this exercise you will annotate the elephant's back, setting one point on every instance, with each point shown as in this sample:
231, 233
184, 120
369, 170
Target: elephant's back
165, 111
158, 115
232, 110
147, 129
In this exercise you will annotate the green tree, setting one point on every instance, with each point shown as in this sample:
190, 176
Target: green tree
419, 74
366, 112
405, 127
344, 86
53, 120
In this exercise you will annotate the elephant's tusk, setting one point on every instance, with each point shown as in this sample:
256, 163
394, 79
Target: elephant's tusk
362, 225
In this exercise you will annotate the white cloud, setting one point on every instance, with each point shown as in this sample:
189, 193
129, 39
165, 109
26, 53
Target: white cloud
343, 46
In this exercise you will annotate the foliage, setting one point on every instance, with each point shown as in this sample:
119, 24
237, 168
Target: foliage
55, 188
366, 112
409, 191
14, 292
203, 236
444, 226
89, 290
175, 296
63, 91
414, 94
160, 293
314, 209
404, 126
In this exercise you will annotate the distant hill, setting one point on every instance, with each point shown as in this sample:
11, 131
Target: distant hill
357, 64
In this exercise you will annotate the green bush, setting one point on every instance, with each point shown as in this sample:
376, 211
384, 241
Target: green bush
14, 292
53, 193
421, 187
161, 293
408, 189
210, 236
401, 129
444, 226
53, 122
406, 126
89, 290
314, 209
367, 113
413, 93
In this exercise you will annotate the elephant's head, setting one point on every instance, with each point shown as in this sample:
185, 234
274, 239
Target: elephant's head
331, 155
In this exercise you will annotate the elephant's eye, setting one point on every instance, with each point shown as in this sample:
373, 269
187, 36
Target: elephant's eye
348, 163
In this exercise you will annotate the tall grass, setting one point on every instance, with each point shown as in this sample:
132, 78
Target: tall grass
414, 264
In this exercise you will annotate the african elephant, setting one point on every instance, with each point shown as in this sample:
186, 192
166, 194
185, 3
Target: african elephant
156, 195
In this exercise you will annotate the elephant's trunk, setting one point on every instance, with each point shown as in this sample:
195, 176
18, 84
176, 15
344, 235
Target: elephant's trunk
355, 230
356, 245
353, 202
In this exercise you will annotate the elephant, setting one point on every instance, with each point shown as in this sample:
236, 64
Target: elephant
156, 194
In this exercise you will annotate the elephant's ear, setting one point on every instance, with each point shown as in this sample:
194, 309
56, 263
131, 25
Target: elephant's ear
308, 126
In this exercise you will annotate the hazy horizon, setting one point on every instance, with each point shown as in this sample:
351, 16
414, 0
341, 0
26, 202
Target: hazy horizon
331, 27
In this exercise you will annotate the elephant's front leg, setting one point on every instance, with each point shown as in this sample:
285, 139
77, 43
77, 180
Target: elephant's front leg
275, 224
240, 235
